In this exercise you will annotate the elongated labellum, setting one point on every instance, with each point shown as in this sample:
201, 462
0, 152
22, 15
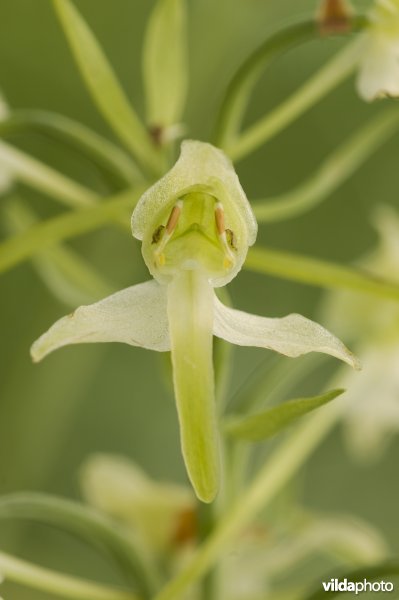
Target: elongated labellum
190, 313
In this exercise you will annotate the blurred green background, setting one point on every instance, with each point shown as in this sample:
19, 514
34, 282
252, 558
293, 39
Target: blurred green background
114, 398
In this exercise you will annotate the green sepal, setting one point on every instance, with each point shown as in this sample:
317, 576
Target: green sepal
165, 68
104, 87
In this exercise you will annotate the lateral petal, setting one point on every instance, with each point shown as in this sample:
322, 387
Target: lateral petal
292, 335
136, 315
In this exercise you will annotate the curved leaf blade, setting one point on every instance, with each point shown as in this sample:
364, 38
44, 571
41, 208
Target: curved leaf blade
265, 425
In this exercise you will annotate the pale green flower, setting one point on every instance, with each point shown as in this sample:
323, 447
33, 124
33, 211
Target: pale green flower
160, 513
196, 226
379, 63
372, 399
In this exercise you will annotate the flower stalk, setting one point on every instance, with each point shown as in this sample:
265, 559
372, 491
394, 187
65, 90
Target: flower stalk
332, 74
334, 171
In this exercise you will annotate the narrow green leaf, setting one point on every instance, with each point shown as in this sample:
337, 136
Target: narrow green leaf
108, 156
66, 274
317, 272
104, 87
45, 234
89, 525
55, 583
36, 174
165, 68
264, 425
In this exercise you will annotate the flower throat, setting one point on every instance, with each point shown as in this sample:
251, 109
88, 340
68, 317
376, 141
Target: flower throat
194, 236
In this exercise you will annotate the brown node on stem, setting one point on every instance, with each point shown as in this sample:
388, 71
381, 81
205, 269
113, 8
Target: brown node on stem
157, 134
334, 16
186, 530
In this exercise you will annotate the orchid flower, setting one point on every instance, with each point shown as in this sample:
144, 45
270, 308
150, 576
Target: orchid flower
196, 226
372, 402
162, 514
379, 64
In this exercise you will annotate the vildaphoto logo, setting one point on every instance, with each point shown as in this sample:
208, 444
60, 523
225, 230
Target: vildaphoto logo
343, 585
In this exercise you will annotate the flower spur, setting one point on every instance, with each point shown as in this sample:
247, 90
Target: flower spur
196, 225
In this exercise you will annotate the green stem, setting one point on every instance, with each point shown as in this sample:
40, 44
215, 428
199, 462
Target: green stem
312, 271
105, 154
281, 466
52, 582
324, 81
209, 514
66, 274
86, 524
208, 519
338, 167
47, 233
239, 89
45, 179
